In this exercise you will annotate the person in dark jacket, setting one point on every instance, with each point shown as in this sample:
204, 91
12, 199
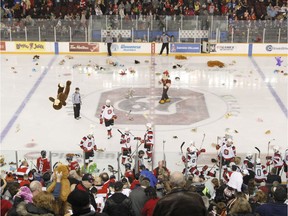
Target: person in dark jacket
180, 201
80, 204
118, 204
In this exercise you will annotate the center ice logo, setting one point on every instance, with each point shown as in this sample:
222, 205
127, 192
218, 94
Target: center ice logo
186, 106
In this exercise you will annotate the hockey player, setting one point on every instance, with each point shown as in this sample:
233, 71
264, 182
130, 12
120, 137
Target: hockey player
248, 160
191, 160
73, 165
276, 160
43, 165
108, 116
88, 146
129, 173
260, 172
126, 146
285, 160
148, 141
166, 84
228, 152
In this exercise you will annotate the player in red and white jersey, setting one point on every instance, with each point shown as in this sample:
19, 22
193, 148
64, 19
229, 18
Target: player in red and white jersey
228, 152
43, 165
125, 145
73, 165
23, 169
191, 159
248, 160
148, 141
276, 159
285, 160
88, 145
108, 116
129, 173
260, 172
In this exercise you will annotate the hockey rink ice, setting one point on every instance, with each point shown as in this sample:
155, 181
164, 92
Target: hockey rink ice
246, 99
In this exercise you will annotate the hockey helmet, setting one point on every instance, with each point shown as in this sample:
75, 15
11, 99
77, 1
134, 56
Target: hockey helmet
141, 152
69, 157
191, 149
276, 148
249, 155
127, 130
43, 153
258, 160
148, 125
127, 166
229, 141
108, 102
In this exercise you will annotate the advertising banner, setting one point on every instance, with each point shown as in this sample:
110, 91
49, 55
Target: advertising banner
272, 49
83, 47
30, 46
228, 48
184, 48
2, 46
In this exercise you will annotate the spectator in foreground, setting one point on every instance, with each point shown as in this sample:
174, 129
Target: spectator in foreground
180, 201
151, 203
118, 204
278, 207
80, 203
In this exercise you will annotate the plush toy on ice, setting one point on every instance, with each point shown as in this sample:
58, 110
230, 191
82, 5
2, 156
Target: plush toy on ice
62, 95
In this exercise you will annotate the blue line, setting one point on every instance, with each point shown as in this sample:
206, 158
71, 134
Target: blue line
25, 101
273, 92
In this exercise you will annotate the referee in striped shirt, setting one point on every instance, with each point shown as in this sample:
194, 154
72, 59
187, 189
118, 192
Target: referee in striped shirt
165, 43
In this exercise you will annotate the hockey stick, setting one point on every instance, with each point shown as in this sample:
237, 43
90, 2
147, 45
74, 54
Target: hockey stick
182, 147
259, 152
164, 155
202, 141
269, 146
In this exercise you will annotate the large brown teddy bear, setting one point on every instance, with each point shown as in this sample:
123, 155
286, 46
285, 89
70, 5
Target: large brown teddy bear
61, 96
65, 186
215, 63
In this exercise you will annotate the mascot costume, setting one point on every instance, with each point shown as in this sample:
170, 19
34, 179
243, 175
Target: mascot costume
62, 95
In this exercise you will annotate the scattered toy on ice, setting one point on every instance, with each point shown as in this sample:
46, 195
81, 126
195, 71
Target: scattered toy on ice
132, 70
62, 62
33, 70
194, 130
36, 57
157, 73
69, 57
122, 72
17, 128
215, 63
279, 61
233, 62
228, 115
259, 120
175, 137
175, 66
137, 62
177, 78
268, 132
180, 57
12, 68
146, 61
76, 66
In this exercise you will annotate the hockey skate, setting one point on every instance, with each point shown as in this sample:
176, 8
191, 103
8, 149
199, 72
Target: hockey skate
162, 101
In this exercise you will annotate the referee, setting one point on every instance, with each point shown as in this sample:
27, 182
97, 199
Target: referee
76, 100
165, 43
109, 41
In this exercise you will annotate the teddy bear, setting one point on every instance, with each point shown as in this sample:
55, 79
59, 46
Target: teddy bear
60, 173
61, 96
180, 57
215, 63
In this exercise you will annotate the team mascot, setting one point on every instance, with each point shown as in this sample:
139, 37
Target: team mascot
166, 84
215, 63
65, 186
61, 96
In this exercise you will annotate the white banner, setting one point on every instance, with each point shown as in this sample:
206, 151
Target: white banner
229, 48
274, 49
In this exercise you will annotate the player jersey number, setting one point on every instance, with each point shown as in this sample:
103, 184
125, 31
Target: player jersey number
259, 172
109, 111
40, 167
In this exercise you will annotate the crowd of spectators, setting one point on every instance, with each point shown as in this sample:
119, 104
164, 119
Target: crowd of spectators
83, 9
149, 192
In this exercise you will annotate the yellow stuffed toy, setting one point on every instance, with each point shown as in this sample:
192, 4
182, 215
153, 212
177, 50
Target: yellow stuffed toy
215, 63
180, 57
65, 186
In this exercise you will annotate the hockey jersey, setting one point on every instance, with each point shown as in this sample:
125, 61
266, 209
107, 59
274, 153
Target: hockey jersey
148, 138
107, 112
260, 172
228, 152
43, 165
21, 171
88, 144
125, 141
74, 165
277, 160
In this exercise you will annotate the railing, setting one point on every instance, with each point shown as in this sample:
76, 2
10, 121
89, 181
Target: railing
145, 29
